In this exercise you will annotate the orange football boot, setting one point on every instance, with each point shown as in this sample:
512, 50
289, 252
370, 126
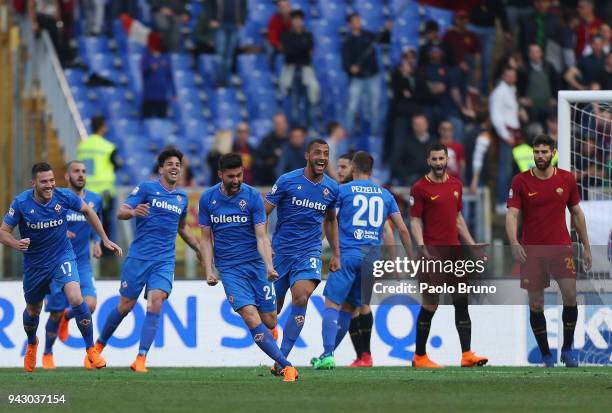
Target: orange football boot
290, 373
95, 358
469, 359
48, 363
62, 332
139, 364
29, 360
423, 362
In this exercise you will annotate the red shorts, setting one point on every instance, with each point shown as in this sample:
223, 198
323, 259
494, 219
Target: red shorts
437, 273
544, 262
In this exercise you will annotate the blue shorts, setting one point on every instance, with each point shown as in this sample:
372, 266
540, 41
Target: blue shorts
40, 281
345, 285
292, 269
137, 273
247, 284
58, 302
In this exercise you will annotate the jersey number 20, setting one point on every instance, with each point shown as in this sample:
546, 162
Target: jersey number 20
374, 209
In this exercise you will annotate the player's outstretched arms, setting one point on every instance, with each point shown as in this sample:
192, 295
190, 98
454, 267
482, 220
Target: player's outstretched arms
96, 224
581, 229
206, 254
7, 238
512, 218
126, 212
398, 221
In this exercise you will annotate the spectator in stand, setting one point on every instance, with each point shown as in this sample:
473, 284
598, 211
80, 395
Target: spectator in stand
245, 150
336, 140
205, 31
504, 112
269, 152
517, 10
228, 16
157, 83
410, 163
404, 103
456, 153
465, 49
482, 23
361, 64
67, 10
297, 79
537, 86
588, 165
431, 38
168, 15
119, 7
589, 68
606, 36
292, 157
222, 145
279, 23
94, 16
604, 81
479, 160
46, 15
589, 26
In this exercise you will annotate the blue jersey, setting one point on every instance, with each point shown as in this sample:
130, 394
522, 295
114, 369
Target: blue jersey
81, 228
363, 209
301, 206
232, 220
155, 237
46, 226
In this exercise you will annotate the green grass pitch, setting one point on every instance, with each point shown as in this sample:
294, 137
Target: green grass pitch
382, 389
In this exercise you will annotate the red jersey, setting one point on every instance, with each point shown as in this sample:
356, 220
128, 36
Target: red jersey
437, 204
542, 203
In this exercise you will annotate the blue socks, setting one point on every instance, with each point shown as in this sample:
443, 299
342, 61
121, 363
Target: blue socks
263, 338
69, 314
344, 322
30, 325
292, 329
51, 334
84, 322
330, 330
112, 322
147, 335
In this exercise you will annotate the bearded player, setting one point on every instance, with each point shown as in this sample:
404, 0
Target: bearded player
539, 196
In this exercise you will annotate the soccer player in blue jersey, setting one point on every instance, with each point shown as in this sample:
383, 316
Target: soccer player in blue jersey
160, 210
81, 234
305, 200
232, 213
363, 209
49, 264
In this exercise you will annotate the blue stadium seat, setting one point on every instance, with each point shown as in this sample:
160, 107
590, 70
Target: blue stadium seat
322, 27
371, 12
89, 45
99, 62
443, 17
302, 5
405, 8
88, 109
250, 35
195, 128
80, 93
193, 109
183, 78
124, 127
75, 76
248, 62
260, 12
158, 127
181, 61
261, 127
208, 67
333, 11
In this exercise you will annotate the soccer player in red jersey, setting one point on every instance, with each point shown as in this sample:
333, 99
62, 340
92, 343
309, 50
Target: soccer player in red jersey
540, 195
436, 222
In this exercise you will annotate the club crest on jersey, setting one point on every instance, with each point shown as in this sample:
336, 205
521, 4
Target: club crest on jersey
299, 320
242, 204
325, 192
456, 194
179, 198
58, 208
91, 204
259, 337
11, 212
135, 190
230, 298
124, 284
559, 191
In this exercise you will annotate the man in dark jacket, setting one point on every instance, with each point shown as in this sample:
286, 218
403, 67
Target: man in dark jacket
411, 161
269, 152
168, 15
292, 157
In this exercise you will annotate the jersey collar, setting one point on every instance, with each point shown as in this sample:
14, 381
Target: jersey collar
226, 195
166, 189
312, 182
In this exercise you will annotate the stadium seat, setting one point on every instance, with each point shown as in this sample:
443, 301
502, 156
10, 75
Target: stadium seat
88, 109
75, 76
371, 12
404, 8
443, 17
208, 67
333, 11
158, 127
250, 35
89, 45
260, 12
124, 127
261, 127
181, 61
183, 78
195, 128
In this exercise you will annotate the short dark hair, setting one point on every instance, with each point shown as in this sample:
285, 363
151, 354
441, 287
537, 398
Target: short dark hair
349, 155
230, 161
297, 13
331, 126
351, 16
69, 164
363, 162
544, 140
431, 26
40, 167
314, 142
437, 147
167, 153
97, 122
300, 128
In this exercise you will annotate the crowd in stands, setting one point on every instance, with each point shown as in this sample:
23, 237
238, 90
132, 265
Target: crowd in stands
389, 76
